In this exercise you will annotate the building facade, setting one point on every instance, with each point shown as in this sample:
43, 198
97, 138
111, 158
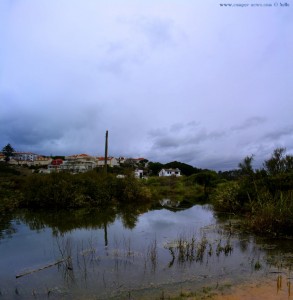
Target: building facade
170, 172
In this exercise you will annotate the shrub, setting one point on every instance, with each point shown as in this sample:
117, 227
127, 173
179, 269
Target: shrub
225, 197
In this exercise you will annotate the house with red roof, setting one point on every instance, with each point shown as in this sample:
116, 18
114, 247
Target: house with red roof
55, 165
111, 161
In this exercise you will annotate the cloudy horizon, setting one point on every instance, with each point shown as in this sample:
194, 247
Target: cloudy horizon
190, 81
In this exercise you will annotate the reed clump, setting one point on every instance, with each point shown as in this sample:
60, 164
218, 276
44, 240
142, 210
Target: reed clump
273, 215
189, 249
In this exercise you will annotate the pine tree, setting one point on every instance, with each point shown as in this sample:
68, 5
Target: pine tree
8, 151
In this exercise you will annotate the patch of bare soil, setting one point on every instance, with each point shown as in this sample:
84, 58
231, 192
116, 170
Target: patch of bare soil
277, 288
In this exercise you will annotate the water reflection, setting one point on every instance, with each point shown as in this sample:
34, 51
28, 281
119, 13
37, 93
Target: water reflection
126, 250
7, 227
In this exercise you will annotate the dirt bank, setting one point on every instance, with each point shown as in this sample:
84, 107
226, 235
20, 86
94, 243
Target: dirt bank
278, 287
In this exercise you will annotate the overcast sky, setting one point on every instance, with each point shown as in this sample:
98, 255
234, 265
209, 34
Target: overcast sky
185, 80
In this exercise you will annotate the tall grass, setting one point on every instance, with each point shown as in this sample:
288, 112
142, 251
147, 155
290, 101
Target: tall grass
266, 212
189, 249
273, 215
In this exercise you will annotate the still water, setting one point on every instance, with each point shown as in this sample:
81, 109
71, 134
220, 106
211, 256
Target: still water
131, 253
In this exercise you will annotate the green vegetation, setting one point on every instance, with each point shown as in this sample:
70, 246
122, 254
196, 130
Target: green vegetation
91, 189
265, 195
10, 183
175, 188
22, 188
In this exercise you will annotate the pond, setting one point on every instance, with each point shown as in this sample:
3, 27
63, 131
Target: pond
132, 253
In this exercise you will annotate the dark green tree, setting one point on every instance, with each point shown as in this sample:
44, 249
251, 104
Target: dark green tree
279, 170
206, 178
279, 163
155, 168
246, 166
8, 152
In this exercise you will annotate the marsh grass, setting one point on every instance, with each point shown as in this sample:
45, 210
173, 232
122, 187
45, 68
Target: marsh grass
269, 211
273, 215
152, 254
189, 249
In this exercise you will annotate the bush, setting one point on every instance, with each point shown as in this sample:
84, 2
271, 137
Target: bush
53, 190
64, 190
225, 197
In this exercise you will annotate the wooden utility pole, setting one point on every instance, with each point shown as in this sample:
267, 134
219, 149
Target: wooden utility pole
106, 153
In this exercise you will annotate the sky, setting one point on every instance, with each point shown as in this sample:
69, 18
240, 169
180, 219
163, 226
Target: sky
186, 80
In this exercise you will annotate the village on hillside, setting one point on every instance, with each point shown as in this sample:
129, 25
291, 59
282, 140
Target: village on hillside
81, 163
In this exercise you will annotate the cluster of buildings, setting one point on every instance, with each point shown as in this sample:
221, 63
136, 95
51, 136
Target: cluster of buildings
74, 163
81, 163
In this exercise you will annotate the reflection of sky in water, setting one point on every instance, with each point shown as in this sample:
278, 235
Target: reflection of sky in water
29, 249
153, 220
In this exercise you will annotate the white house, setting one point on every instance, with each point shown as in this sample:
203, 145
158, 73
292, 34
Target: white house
121, 160
138, 173
170, 172
27, 156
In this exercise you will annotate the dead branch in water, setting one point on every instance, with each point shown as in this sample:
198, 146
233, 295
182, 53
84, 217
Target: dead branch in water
42, 268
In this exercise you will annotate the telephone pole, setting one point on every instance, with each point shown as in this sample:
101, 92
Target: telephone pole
106, 152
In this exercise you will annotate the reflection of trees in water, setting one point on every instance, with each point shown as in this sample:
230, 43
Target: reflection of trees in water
129, 213
7, 228
98, 218
65, 221
172, 205
277, 252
